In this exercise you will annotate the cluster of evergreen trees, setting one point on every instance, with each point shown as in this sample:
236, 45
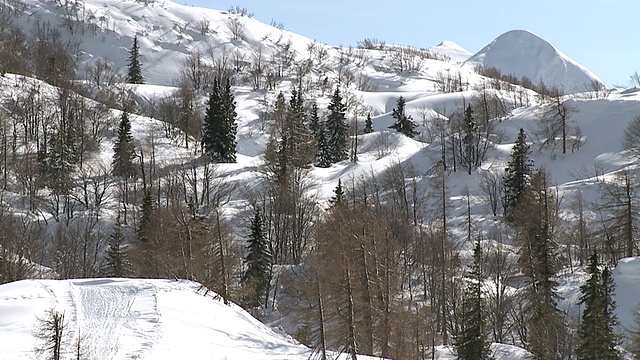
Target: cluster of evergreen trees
301, 138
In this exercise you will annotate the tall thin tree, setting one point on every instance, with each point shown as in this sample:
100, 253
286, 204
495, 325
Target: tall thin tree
134, 66
123, 149
471, 342
336, 129
517, 175
257, 276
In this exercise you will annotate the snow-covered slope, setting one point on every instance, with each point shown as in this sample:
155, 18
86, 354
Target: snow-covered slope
451, 50
523, 53
168, 32
136, 319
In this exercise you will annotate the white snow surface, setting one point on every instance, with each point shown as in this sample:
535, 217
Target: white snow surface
137, 319
454, 51
522, 53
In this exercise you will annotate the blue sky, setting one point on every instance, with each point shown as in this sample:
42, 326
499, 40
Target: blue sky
602, 35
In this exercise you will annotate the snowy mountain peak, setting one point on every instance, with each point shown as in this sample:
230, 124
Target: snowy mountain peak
452, 50
523, 53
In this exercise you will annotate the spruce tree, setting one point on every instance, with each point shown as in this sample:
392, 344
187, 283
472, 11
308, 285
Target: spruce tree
596, 336
535, 218
404, 124
258, 262
116, 261
301, 142
323, 156
314, 120
610, 339
338, 195
123, 149
146, 215
220, 128
516, 175
471, 343
336, 129
134, 73
368, 125
320, 141
468, 141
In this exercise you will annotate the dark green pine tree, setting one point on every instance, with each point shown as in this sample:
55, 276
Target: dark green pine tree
323, 156
610, 338
336, 129
314, 120
123, 150
596, 338
368, 125
338, 195
404, 124
146, 215
116, 260
468, 139
538, 260
134, 66
517, 175
258, 262
471, 342
220, 128
301, 142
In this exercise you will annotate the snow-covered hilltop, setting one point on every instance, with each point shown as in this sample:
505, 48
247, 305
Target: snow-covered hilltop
136, 319
522, 53
169, 32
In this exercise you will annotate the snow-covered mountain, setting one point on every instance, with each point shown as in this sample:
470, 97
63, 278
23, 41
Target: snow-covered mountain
168, 32
522, 53
452, 50
156, 319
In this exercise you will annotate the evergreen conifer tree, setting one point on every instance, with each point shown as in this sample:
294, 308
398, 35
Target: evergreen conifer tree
323, 157
368, 125
146, 215
300, 139
471, 343
338, 195
535, 218
314, 120
116, 262
470, 128
258, 261
317, 130
597, 339
123, 149
517, 174
404, 124
220, 128
336, 129
134, 73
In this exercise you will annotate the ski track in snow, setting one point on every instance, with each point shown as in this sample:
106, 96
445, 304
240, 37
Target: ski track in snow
103, 311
